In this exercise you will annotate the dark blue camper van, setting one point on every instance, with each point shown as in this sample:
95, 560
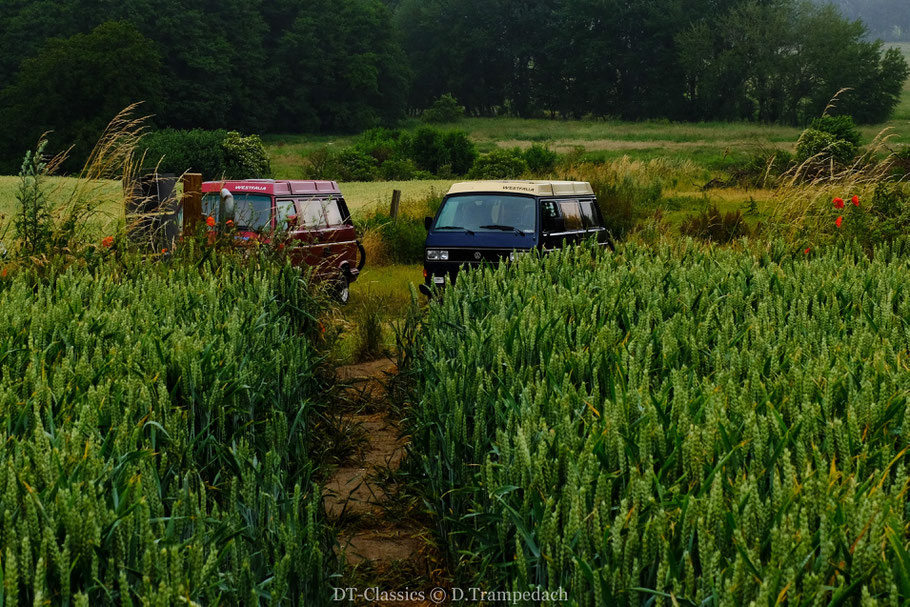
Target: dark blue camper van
489, 221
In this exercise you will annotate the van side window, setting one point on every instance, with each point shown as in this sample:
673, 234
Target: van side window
550, 220
589, 214
284, 208
311, 214
333, 213
571, 213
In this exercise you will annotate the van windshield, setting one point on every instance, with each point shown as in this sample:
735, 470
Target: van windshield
251, 212
488, 213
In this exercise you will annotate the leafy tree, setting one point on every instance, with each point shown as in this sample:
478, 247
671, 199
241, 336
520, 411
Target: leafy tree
75, 85
343, 70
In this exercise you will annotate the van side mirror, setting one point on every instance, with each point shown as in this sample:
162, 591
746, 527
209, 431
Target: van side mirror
427, 223
227, 207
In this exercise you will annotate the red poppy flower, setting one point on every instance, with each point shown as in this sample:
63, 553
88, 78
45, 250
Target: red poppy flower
806, 252
108, 242
3, 273
839, 221
838, 203
229, 223
321, 328
164, 250
855, 201
210, 221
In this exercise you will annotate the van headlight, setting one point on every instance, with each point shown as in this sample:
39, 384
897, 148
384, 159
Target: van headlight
436, 255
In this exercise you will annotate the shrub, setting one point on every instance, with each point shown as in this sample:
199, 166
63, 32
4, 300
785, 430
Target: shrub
900, 167
215, 154
34, 226
370, 318
245, 157
444, 109
459, 152
540, 159
352, 164
426, 149
624, 201
842, 128
431, 150
500, 164
403, 238
383, 144
712, 225
819, 147
319, 164
829, 137
398, 170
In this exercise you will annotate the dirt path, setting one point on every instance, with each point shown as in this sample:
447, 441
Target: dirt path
383, 543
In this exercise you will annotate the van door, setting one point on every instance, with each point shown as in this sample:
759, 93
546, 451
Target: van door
552, 225
593, 220
340, 235
562, 222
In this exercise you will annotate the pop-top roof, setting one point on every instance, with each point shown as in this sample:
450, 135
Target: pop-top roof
273, 187
535, 188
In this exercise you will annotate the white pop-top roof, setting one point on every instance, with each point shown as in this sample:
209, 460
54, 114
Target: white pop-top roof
536, 188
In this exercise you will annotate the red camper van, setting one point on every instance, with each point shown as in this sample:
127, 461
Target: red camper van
312, 214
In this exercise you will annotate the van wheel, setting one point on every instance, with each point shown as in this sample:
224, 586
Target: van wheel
342, 289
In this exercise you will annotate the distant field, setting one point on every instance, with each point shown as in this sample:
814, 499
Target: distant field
360, 196
713, 145
902, 113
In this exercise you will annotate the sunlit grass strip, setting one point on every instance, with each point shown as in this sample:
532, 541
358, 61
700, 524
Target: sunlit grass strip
693, 425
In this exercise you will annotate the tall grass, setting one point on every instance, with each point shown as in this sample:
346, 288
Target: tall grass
805, 194
683, 425
155, 435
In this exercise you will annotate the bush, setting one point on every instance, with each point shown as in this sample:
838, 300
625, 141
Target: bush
431, 150
245, 157
33, 222
426, 149
383, 144
622, 203
459, 152
404, 238
819, 147
398, 170
500, 164
842, 128
444, 109
829, 137
716, 227
215, 154
900, 167
540, 159
319, 164
352, 164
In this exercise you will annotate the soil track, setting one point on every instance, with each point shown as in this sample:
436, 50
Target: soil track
381, 541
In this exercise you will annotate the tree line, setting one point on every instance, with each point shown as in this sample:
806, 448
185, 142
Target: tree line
68, 66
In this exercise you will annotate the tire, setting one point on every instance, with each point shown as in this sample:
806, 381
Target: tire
342, 289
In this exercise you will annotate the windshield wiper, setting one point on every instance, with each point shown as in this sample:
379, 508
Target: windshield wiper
503, 228
454, 228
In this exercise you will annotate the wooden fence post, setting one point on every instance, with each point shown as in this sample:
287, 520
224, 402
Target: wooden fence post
396, 202
192, 200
